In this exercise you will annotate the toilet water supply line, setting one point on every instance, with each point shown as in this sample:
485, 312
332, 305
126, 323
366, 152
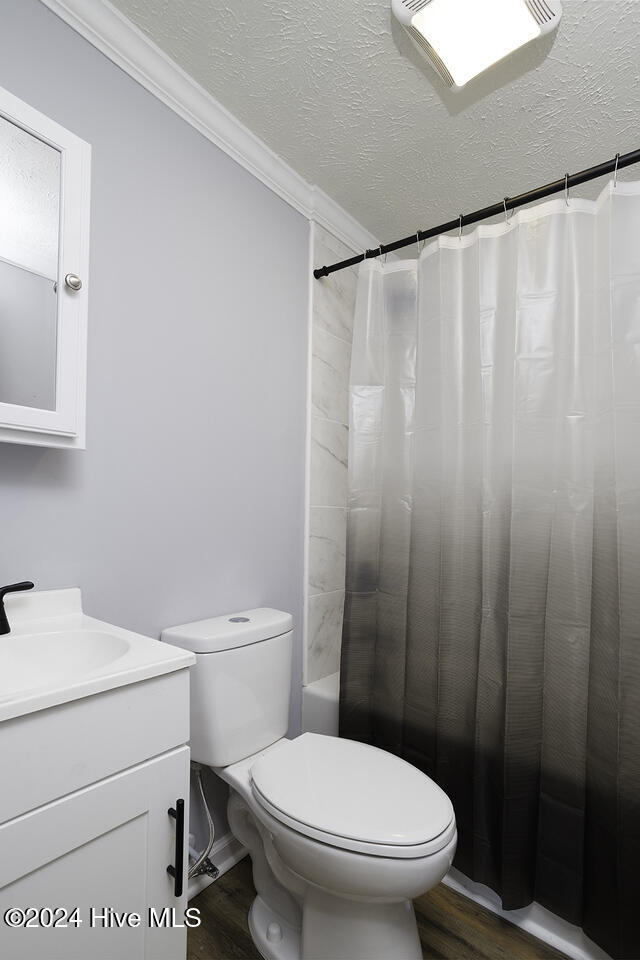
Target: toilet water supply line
202, 863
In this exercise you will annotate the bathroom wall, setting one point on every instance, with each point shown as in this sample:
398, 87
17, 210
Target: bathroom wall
332, 305
189, 500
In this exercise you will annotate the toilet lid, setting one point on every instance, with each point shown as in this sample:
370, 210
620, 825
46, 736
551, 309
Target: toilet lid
340, 790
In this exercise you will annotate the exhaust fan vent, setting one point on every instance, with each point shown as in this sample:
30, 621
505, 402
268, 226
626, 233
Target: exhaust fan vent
462, 38
540, 11
426, 47
414, 6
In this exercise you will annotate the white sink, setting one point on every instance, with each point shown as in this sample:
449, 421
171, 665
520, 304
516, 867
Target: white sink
40, 659
55, 653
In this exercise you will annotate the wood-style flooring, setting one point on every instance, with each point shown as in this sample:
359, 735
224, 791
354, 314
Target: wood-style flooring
451, 926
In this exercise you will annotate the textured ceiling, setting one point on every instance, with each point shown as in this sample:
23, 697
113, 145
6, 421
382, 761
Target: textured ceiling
338, 90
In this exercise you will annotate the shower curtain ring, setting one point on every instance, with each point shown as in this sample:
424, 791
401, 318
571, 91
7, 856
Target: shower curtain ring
418, 243
566, 189
460, 226
506, 217
615, 171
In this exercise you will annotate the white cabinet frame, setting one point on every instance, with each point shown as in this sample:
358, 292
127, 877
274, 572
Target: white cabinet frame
65, 425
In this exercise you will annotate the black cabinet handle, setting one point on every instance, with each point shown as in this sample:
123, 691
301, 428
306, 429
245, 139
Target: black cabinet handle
177, 872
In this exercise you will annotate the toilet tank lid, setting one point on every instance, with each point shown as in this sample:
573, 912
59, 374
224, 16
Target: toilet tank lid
230, 631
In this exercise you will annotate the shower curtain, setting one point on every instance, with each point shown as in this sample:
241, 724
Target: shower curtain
492, 619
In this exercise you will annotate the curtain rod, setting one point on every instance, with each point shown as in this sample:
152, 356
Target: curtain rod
509, 203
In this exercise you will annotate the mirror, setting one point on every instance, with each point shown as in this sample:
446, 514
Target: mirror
29, 231
45, 192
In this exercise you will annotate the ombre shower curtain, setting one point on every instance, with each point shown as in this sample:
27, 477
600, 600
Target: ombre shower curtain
492, 619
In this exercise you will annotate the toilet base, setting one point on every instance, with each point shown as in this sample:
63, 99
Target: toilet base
334, 928
274, 938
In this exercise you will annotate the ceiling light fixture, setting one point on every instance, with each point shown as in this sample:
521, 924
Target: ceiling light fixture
462, 38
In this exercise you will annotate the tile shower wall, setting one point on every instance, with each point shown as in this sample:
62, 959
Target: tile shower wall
333, 300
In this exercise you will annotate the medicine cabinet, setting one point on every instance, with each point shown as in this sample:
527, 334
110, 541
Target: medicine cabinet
44, 257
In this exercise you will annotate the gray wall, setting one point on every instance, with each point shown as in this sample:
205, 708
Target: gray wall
188, 501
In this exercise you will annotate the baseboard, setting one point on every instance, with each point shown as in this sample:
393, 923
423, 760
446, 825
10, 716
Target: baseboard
226, 852
536, 920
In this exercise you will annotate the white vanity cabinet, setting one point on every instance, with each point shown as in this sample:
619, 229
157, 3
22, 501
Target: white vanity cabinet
104, 851
86, 789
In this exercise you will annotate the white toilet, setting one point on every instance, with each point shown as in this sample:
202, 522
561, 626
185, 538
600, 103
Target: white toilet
342, 835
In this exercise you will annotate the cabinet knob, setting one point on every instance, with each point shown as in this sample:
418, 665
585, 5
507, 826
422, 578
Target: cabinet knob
73, 282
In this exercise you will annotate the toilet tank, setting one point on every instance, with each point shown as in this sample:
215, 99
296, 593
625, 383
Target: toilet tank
240, 684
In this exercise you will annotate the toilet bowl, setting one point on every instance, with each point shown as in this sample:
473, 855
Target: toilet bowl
342, 835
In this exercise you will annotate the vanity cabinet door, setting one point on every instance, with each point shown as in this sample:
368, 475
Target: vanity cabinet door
105, 850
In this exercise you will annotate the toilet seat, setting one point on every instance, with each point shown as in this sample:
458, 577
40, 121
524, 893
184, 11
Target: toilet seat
353, 796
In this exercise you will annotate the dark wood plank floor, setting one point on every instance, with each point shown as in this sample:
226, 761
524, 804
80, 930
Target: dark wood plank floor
451, 926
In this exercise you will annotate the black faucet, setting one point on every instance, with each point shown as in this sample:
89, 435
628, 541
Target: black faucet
10, 588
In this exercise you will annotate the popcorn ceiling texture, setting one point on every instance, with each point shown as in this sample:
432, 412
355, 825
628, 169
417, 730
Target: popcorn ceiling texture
338, 90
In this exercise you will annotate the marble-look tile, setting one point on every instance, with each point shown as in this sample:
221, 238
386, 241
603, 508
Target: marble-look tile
331, 358
329, 451
325, 635
327, 549
334, 299
330, 244
333, 309
334, 296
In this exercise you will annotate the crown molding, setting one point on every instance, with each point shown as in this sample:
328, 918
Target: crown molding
99, 22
